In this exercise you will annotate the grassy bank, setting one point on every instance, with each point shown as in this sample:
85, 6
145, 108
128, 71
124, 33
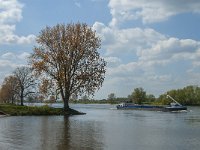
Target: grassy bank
15, 110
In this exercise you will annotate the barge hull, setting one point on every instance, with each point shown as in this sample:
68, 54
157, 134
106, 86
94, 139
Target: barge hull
152, 108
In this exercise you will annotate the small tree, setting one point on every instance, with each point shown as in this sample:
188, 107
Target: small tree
25, 82
68, 55
138, 96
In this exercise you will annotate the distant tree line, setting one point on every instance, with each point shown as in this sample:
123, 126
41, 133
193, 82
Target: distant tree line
189, 95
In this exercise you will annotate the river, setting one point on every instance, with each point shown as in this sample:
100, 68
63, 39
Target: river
103, 128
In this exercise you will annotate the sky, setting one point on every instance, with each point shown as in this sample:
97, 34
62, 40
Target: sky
150, 44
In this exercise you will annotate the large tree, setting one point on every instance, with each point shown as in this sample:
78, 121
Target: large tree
68, 55
25, 81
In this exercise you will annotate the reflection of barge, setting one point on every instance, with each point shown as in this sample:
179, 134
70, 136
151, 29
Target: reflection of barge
172, 107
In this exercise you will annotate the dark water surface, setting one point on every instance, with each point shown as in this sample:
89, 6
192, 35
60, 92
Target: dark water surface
103, 127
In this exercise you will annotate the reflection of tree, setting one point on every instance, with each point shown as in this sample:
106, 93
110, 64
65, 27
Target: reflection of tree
45, 133
51, 133
64, 137
81, 134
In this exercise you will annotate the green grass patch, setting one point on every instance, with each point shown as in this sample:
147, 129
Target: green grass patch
15, 110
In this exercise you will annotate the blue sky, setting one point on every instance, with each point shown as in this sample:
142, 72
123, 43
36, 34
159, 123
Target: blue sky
150, 44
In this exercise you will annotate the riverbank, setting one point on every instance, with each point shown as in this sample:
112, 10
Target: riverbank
15, 110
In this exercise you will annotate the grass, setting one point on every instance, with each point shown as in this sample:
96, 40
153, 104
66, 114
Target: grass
16, 110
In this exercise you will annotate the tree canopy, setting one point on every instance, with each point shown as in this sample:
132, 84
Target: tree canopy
138, 95
67, 54
189, 95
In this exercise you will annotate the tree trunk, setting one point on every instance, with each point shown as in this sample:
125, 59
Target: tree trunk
65, 97
66, 105
22, 99
22, 104
12, 100
66, 102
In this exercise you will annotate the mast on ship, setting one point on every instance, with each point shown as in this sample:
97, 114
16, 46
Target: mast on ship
168, 96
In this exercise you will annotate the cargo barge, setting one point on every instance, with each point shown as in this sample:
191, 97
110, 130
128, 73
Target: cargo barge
172, 107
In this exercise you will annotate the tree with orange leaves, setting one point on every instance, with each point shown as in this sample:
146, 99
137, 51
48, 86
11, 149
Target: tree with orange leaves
68, 55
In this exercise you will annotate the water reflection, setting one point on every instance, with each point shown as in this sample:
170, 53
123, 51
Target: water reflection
64, 142
49, 133
78, 134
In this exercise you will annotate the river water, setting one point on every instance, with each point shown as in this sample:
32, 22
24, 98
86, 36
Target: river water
103, 127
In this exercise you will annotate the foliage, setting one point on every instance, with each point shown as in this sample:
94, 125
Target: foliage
189, 95
138, 96
67, 54
48, 89
150, 98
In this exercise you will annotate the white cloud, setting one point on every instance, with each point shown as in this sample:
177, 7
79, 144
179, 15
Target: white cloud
112, 61
196, 64
8, 56
125, 70
165, 52
9, 61
13, 60
24, 56
15, 57
10, 14
155, 62
6, 67
11, 11
149, 11
171, 49
14, 39
5, 64
126, 40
